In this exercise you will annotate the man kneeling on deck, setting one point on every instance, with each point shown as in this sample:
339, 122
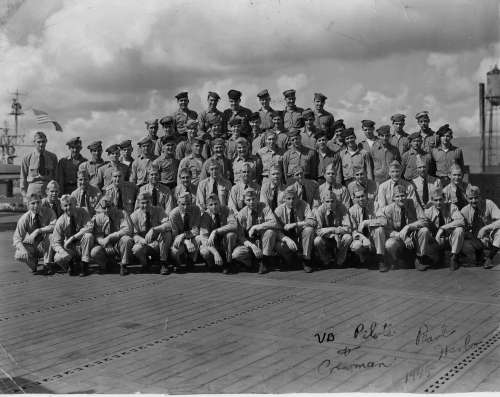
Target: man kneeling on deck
67, 234
185, 222
256, 233
217, 237
298, 223
108, 233
482, 222
447, 226
152, 234
333, 232
407, 231
31, 237
367, 229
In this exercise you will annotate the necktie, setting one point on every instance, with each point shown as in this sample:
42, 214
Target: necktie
461, 201
476, 221
217, 221
303, 193
83, 199
246, 187
119, 200
440, 219
154, 193
330, 219
253, 217
148, 221
37, 223
274, 201
72, 225
187, 223
111, 226
364, 216
41, 165
214, 187
425, 192
403, 217
293, 218
330, 188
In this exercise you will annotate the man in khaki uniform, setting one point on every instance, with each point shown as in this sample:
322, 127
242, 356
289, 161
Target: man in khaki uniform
266, 111
138, 173
183, 114
86, 196
67, 167
399, 138
105, 173
208, 117
95, 162
292, 115
323, 120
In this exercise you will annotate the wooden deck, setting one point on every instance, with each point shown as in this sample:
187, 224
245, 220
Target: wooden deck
436, 331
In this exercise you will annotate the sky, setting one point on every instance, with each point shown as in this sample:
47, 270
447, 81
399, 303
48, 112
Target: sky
101, 68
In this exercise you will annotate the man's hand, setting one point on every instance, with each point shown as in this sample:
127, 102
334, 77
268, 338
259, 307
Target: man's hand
394, 234
104, 241
211, 239
486, 241
409, 243
191, 248
69, 241
362, 225
150, 236
439, 237
23, 254
290, 226
256, 251
254, 229
218, 259
178, 241
322, 232
290, 243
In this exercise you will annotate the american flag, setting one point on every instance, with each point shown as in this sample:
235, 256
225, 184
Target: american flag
43, 117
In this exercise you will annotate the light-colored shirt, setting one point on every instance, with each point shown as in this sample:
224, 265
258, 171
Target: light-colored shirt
27, 224
30, 168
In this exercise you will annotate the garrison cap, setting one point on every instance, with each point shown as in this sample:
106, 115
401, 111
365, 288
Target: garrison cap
348, 132
167, 120
153, 168
395, 165
74, 142
293, 132
39, 135
423, 113
95, 145
254, 117
116, 172
212, 94
83, 173
235, 121
368, 123
112, 149
263, 94
241, 141
444, 129
144, 196
218, 141
168, 139
308, 113
338, 124
181, 95
289, 93
53, 183
384, 129
198, 139
191, 124
473, 191
399, 189
144, 141
297, 168
125, 144
413, 136
66, 198
455, 167
151, 122
398, 117
105, 202
234, 94
320, 96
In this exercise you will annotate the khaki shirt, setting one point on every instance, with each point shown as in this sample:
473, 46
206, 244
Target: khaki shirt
29, 169
26, 224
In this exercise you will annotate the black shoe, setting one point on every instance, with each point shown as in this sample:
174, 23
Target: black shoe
383, 267
262, 268
49, 269
454, 262
123, 270
307, 267
419, 264
164, 270
488, 264
84, 269
225, 270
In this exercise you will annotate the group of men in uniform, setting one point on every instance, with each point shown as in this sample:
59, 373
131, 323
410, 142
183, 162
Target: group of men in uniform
261, 189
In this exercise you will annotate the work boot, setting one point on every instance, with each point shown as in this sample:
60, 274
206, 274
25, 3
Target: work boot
49, 269
454, 262
383, 267
84, 269
262, 267
164, 269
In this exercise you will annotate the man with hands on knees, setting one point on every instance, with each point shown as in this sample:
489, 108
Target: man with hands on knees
217, 237
152, 235
185, 223
406, 230
31, 235
298, 222
256, 233
67, 234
